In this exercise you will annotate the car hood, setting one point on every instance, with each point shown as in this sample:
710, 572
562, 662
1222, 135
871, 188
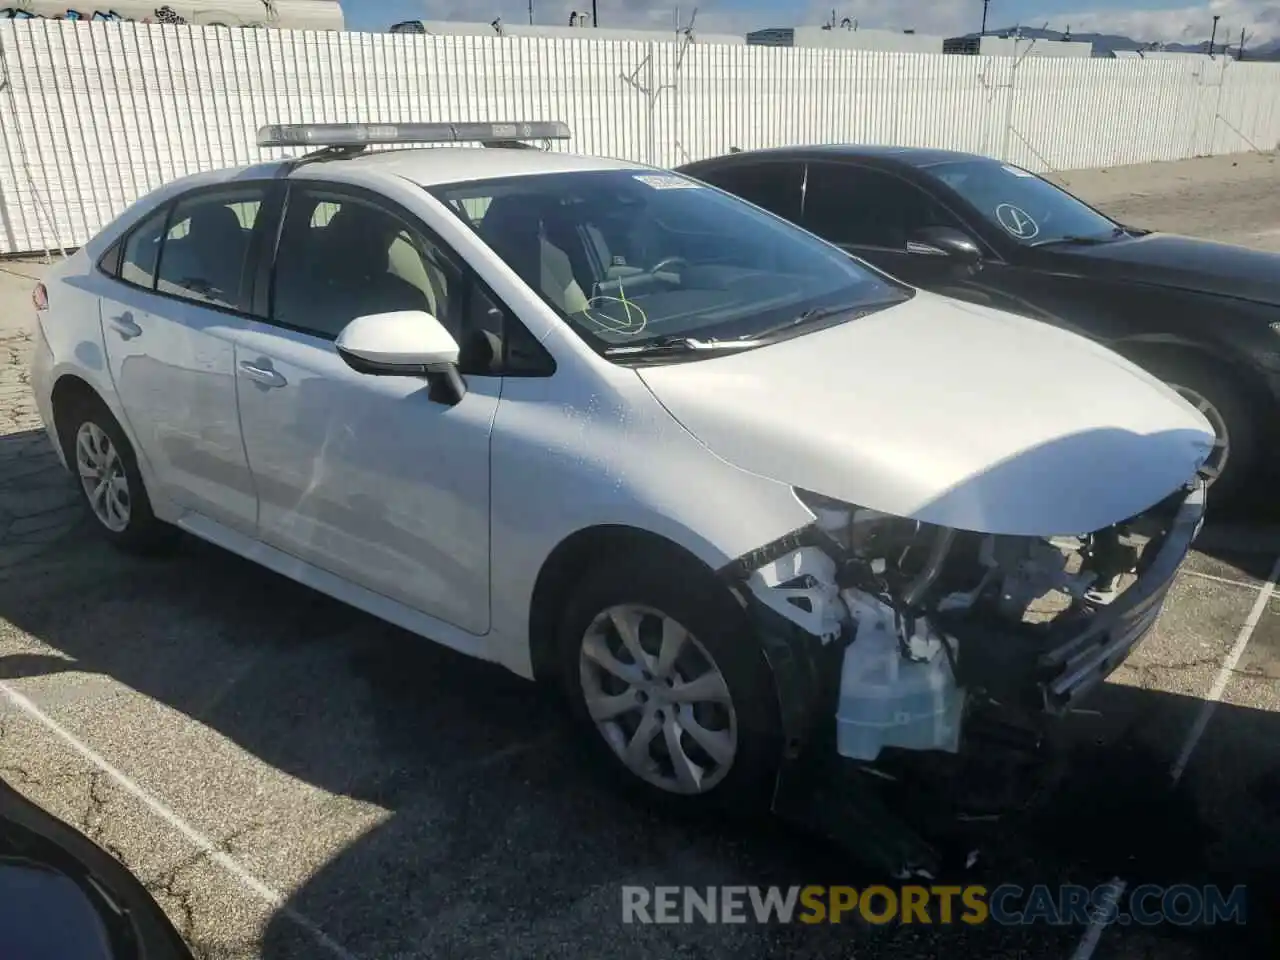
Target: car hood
1202, 266
947, 413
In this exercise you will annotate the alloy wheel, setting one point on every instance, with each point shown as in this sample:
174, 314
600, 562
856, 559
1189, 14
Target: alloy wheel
103, 477
658, 698
1213, 467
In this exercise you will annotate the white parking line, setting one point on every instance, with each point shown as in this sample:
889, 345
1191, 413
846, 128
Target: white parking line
1226, 581
197, 839
1093, 933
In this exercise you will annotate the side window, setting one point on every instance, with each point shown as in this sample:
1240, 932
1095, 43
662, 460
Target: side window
206, 245
858, 206
773, 186
342, 257
142, 251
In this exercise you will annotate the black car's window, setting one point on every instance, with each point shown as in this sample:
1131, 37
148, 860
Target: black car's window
850, 204
631, 256
1024, 207
773, 185
142, 251
204, 249
342, 257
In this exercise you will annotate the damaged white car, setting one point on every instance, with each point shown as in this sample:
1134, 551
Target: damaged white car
765, 513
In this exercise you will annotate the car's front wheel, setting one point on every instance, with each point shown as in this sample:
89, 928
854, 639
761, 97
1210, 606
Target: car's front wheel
669, 687
106, 469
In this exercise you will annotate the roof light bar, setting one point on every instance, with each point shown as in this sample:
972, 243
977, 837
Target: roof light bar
363, 134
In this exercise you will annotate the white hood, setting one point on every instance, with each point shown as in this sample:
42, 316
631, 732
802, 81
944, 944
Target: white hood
947, 413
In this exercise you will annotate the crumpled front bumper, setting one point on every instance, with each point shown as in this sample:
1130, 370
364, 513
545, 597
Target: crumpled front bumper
844, 800
1072, 669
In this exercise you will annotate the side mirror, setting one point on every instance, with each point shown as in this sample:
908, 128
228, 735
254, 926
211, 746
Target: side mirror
407, 343
945, 242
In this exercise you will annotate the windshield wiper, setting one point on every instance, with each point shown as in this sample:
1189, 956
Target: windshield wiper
667, 346
853, 310
1115, 234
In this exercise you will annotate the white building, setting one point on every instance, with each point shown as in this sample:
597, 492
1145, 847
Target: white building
281, 14
456, 28
846, 37
1171, 54
992, 46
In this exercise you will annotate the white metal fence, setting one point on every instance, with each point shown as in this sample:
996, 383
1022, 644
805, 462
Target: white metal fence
92, 116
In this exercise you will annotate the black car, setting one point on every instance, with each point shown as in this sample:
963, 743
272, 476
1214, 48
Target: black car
1202, 316
62, 897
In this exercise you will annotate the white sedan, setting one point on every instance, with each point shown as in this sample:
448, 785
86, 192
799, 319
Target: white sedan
607, 426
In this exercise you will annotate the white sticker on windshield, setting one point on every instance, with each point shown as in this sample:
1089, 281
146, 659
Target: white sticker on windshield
667, 181
1017, 222
1016, 172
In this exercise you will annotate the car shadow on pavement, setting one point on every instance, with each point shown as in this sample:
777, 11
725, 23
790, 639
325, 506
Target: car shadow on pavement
499, 842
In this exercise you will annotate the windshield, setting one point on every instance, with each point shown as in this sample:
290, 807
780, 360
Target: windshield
1026, 208
631, 257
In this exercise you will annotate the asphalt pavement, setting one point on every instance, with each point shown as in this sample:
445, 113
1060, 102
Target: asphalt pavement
293, 779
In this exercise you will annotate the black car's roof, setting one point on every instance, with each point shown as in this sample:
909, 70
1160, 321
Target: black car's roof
912, 156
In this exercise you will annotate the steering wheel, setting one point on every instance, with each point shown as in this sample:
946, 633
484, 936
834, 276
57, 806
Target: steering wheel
666, 263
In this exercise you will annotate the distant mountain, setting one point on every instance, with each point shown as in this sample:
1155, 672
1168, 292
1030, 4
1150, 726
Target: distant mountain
1105, 44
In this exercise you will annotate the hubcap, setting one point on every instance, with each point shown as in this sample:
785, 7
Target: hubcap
658, 699
1217, 461
102, 476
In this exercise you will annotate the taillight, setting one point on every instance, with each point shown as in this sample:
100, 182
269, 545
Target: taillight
40, 297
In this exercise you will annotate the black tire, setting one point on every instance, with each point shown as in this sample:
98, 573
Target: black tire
688, 593
143, 534
1232, 403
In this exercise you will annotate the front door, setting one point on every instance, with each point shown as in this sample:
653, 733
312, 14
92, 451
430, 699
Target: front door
366, 476
169, 321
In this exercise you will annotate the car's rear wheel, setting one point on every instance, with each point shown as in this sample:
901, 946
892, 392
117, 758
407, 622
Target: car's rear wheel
1234, 458
103, 460
669, 687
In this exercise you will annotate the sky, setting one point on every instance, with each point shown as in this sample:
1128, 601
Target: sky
1167, 20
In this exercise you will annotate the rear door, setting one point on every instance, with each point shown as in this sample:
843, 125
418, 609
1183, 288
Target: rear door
169, 320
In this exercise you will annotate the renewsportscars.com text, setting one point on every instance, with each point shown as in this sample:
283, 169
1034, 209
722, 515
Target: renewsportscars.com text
1007, 904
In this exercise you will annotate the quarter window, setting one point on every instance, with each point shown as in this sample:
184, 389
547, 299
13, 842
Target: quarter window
142, 251
206, 245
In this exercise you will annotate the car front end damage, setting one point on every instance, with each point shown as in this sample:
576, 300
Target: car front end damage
919, 669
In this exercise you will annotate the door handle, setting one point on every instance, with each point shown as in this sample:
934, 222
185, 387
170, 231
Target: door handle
264, 375
125, 326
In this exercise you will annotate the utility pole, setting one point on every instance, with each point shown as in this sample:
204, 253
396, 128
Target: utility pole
595, 17
985, 4
531, 13
1240, 52
1214, 36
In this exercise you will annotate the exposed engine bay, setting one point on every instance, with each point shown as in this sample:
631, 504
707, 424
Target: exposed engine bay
935, 621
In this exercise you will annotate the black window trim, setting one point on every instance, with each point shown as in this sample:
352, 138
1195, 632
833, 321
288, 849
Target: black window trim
248, 270
454, 260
